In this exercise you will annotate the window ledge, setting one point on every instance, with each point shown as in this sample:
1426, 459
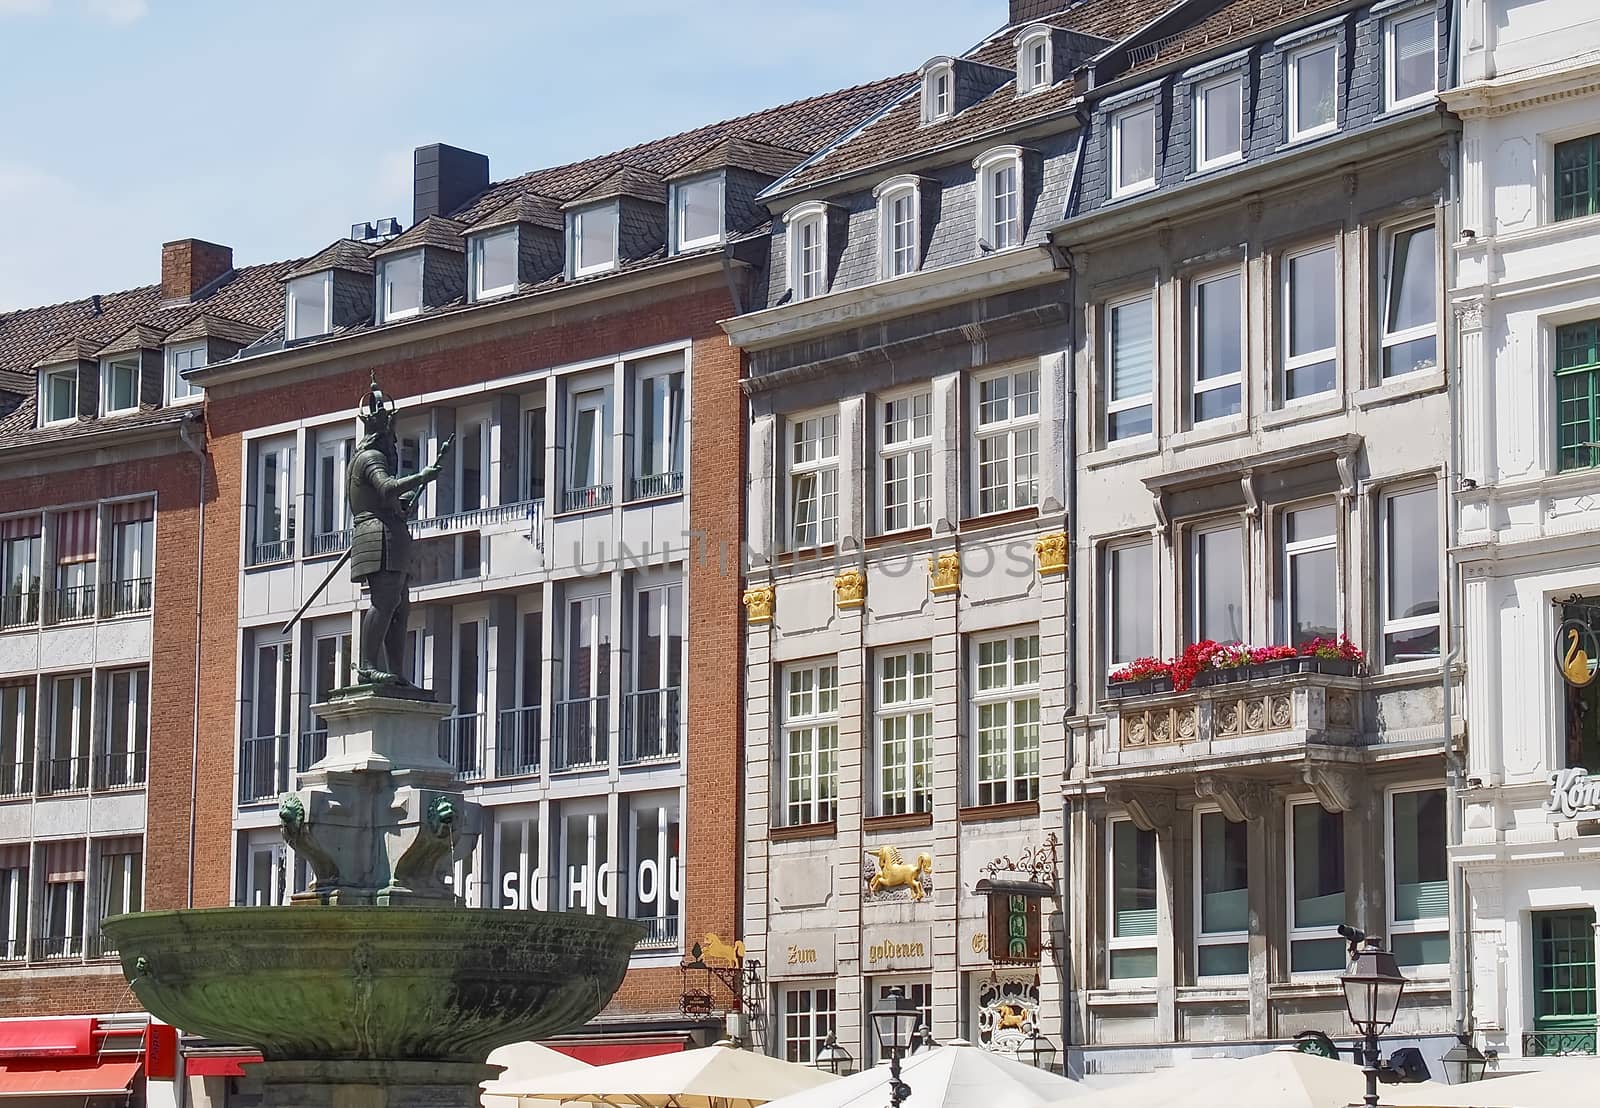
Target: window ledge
999, 519
1298, 411
890, 538
983, 813
1215, 167
1420, 104
1144, 447
1131, 194
1306, 140
900, 822
802, 555
799, 831
1403, 387
1212, 430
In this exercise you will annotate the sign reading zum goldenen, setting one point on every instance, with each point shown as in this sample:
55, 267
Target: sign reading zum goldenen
1572, 792
899, 948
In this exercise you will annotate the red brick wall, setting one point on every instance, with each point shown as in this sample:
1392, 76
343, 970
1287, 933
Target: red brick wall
49, 992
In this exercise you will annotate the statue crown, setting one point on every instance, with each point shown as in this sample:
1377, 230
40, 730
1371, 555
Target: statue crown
376, 409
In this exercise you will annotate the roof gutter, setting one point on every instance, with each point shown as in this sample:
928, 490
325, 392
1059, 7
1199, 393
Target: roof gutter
63, 449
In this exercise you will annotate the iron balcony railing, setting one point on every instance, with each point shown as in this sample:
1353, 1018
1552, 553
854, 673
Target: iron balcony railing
660, 931
19, 609
580, 734
462, 743
16, 778
657, 484
126, 598
13, 950
64, 775
259, 759
329, 542
311, 749
123, 770
278, 550
55, 948
650, 730
101, 946
1555, 1044
520, 512
587, 497
517, 742
75, 602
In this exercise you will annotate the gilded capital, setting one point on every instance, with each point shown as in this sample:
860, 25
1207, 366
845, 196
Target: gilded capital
850, 589
758, 603
1051, 553
945, 570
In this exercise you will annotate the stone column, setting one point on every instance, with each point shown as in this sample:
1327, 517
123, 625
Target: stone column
949, 779
855, 734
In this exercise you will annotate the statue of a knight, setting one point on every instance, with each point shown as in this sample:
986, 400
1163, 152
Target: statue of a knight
381, 502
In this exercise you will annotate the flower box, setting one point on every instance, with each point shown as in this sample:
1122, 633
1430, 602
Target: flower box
1333, 667
1148, 686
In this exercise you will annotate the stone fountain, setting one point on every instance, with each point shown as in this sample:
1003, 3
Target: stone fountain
376, 988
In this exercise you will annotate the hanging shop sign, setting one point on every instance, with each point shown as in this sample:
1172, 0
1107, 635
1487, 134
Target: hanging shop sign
1014, 891
1577, 652
1572, 793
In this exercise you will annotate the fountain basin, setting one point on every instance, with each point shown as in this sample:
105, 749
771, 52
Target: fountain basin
373, 983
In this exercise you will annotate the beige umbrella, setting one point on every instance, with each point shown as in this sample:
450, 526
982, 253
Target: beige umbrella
958, 1075
710, 1077
524, 1063
1545, 1088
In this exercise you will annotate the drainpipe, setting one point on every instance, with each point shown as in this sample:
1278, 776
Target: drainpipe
186, 431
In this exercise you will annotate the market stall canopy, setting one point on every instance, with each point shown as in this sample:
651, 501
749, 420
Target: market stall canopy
1534, 1089
524, 1063
711, 1077
959, 1075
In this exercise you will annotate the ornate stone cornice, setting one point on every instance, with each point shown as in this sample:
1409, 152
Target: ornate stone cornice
1241, 800
1335, 786
1150, 809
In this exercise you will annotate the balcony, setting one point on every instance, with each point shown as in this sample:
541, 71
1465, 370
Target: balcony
259, 759
526, 512
265, 553
125, 770
101, 946
518, 742
661, 932
126, 598
650, 730
59, 776
580, 738
16, 779
586, 498
656, 484
13, 950
331, 542
462, 743
19, 609
71, 604
57, 948
1558, 1044
311, 749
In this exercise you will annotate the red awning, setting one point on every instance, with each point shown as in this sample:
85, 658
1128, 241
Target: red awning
217, 1065
31, 1038
603, 1054
76, 1078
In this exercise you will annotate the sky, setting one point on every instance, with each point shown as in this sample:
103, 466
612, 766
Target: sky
272, 125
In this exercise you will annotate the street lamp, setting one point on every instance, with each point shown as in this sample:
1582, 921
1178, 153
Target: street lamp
895, 1020
1372, 989
1464, 1062
1037, 1051
832, 1057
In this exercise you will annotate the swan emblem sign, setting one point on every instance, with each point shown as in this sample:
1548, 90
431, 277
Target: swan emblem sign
1577, 652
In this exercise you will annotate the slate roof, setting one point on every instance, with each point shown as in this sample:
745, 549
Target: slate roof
626, 180
436, 230
209, 326
339, 254
1232, 21
530, 207
760, 157
137, 337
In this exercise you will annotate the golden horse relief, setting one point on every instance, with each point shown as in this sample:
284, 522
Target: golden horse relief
1010, 1016
893, 873
714, 952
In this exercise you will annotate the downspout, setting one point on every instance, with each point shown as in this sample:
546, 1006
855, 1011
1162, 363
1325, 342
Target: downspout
186, 431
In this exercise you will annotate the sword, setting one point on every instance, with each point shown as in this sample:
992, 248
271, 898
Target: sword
326, 581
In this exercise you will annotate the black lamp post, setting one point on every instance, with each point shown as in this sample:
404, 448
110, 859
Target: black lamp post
832, 1057
1464, 1062
1037, 1051
895, 1019
1372, 989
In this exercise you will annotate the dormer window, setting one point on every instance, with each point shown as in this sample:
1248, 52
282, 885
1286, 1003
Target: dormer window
898, 224
594, 240
58, 396
938, 92
310, 299
400, 286
1000, 198
808, 250
119, 385
697, 212
181, 359
1133, 150
1033, 61
494, 263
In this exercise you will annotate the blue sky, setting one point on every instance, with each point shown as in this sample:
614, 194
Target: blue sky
272, 125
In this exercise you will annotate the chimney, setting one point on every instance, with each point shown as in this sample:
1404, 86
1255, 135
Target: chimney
1026, 11
189, 265
446, 178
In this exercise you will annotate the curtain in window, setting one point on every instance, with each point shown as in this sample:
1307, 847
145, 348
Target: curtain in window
75, 536
1132, 344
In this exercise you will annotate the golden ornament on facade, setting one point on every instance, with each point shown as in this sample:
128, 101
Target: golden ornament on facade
945, 570
1051, 553
893, 873
758, 603
850, 589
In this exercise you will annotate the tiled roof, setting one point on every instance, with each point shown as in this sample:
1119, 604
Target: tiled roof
761, 157
436, 230
74, 349
18, 427
530, 207
1235, 19
137, 337
627, 180
339, 254
209, 326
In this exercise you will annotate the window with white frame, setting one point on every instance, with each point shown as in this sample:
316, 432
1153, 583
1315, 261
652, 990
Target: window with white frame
1005, 707
119, 384
64, 878
1216, 583
697, 212
919, 991
1130, 368
1419, 893
938, 93
905, 731
400, 286
77, 554
1222, 895
262, 881
181, 358
582, 724
1131, 949
659, 440
1216, 346
810, 768
121, 875
331, 509
1410, 325
809, 1017
1000, 198
898, 203
17, 723
274, 503
1410, 553
1218, 121
1033, 61
309, 308
1309, 574
71, 728
813, 479
1409, 42
1129, 603
1316, 889
1133, 150
1313, 91
905, 460
1008, 440
808, 252
127, 728
589, 451
1310, 310
594, 239
58, 396
493, 258
13, 902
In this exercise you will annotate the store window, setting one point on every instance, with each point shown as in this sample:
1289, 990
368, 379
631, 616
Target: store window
1563, 982
809, 1015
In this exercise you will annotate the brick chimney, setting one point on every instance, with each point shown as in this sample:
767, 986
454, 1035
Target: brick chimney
189, 265
444, 179
1026, 11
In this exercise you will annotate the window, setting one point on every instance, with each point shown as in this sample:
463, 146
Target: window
66, 766
906, 461
121, 878
809, 1015
1000, 198
897, 227
810, 744
260, 875
651, 730
1577, 178
1419, 899
1132, 952
1005, 702
1130, 374
1409, 42
1310, 322
21, 555
181, 359
589, 467
1313, 91
1410, 576
13, 902
269, 721
808, 252
77, 553
1216, 584
519, 880
1577, 395
813, 480
534, 434
938, 93
1408, 301
16, 738
309, 311
400, 286
127, 728
585, 872
58, 396
62, 925
1310, 574
654, 877
1217, 348
697, 212
119, 385
583, 718
1033, 62
1316, 883
494, 263
274, 507
1222, 908
919, 993
474, 461
594, 239
1133, 150
1218, 122
332, 531
1129, 603
660, 437
905, 732
1008, 440
1563, 971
